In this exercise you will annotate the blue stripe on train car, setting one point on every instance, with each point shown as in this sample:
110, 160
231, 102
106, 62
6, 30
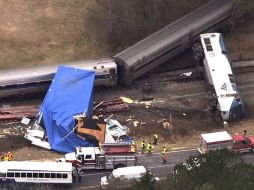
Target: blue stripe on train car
236, 109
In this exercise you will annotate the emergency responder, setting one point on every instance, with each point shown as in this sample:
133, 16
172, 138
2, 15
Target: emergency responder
155, 139
9, 156
133, 146
164, 155
5, 158
149, 148
142, 145
245, 132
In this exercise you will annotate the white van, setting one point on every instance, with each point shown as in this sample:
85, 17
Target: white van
124, 177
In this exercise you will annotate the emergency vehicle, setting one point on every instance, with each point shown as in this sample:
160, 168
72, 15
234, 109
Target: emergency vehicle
107, 156
238, 143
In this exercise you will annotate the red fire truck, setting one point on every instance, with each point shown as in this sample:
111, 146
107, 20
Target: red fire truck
107, 156
238, 143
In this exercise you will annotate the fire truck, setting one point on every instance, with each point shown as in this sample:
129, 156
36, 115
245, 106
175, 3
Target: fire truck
107, 156
238, 143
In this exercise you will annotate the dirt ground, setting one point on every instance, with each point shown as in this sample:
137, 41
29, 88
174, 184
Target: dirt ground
177, 113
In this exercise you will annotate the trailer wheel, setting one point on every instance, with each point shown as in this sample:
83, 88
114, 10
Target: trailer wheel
120, 165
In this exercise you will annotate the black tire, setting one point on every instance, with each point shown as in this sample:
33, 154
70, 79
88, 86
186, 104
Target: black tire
120, 165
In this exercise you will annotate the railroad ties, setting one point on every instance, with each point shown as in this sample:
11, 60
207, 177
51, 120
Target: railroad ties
110, 106
16, 113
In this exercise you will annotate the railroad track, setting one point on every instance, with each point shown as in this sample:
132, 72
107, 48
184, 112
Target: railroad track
185, 75
181, 76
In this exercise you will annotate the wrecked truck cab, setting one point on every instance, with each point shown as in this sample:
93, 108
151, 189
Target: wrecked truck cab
242, 143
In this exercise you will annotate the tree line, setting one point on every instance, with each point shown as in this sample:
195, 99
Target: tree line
217, 170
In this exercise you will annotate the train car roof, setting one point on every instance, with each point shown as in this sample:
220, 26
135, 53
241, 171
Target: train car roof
218, 63
175, 31
35, 166
46, 72
216, 137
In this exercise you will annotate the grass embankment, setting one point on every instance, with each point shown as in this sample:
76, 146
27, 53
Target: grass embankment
45, 32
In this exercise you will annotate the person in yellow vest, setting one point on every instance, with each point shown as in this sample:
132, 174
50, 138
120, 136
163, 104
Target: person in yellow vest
6, 158
149, 148
9, 156
143, 146
155, 139
133, 146
164, 155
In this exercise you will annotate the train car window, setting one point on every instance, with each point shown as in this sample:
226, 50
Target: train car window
53, 175
10, 174
58, 175
209, 48
41, 175
207, 41
29, 174
65, 175
88, 157
35, 175
23, 174
47, 175
17, 174
2, 174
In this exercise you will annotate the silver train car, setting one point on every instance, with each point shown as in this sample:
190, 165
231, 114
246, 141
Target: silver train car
38, 79
171, 40
219, 75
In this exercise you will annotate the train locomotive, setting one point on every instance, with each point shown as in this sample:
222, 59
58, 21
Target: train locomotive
219, 75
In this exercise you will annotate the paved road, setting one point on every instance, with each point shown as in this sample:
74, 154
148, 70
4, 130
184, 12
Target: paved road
91, 179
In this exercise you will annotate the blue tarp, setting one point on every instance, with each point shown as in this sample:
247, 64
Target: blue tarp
70, 93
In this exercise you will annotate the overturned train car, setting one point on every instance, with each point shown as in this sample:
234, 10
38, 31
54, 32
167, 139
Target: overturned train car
171, 40
226, 98
132, 62
38, 79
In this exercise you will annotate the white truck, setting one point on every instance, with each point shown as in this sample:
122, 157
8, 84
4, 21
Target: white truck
108, 156
125, 177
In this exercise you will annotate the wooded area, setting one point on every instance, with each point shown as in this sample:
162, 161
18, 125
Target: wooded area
122, 23
218, 170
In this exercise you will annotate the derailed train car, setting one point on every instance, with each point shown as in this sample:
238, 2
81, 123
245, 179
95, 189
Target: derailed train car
38, 79
132, 62
171, 40
219, 75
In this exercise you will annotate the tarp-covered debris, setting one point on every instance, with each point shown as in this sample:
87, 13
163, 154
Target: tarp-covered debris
70, 93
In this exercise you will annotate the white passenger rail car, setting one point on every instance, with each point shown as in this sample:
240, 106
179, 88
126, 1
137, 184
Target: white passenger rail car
38, 79
36, 172
219, 75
